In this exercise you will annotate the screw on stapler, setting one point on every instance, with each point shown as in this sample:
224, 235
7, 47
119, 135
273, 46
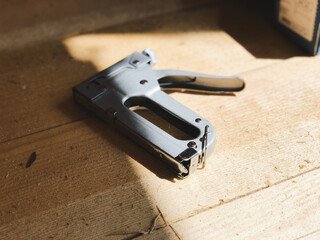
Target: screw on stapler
132, 82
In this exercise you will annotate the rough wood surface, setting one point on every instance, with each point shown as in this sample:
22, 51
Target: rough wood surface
43, 74
287, 210
66, 175
31, 21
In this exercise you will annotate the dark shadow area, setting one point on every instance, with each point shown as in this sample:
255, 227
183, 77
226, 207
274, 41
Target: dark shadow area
33, 80
56, 19
126, 145
39, 116
249, 22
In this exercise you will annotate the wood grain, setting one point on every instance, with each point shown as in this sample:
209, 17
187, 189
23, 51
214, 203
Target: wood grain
88, 181
73, 162
288, 210
311, 236
53, 20
37, 79
75, 182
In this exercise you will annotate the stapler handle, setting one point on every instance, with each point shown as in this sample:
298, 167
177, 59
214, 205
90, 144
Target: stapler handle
191, 81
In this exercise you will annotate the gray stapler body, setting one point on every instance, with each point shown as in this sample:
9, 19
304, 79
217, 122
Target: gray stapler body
132, 82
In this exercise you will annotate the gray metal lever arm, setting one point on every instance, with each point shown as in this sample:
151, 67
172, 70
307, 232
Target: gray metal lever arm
175, 79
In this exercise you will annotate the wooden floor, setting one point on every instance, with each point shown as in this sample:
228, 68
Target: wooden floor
89, 182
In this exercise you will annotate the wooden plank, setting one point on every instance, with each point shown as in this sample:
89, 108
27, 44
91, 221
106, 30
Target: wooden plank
37, 80
73, 162
163, 233
117, 213
88, 158
237, 172
85, 173
314, 235
79, 186
52, 20
68, 192
268, 133
288, 210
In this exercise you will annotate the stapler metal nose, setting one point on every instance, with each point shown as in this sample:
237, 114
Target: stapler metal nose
112, 93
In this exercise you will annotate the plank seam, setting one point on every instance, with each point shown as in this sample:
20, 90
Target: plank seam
43, 130
246, 195
168, 224
308, 234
